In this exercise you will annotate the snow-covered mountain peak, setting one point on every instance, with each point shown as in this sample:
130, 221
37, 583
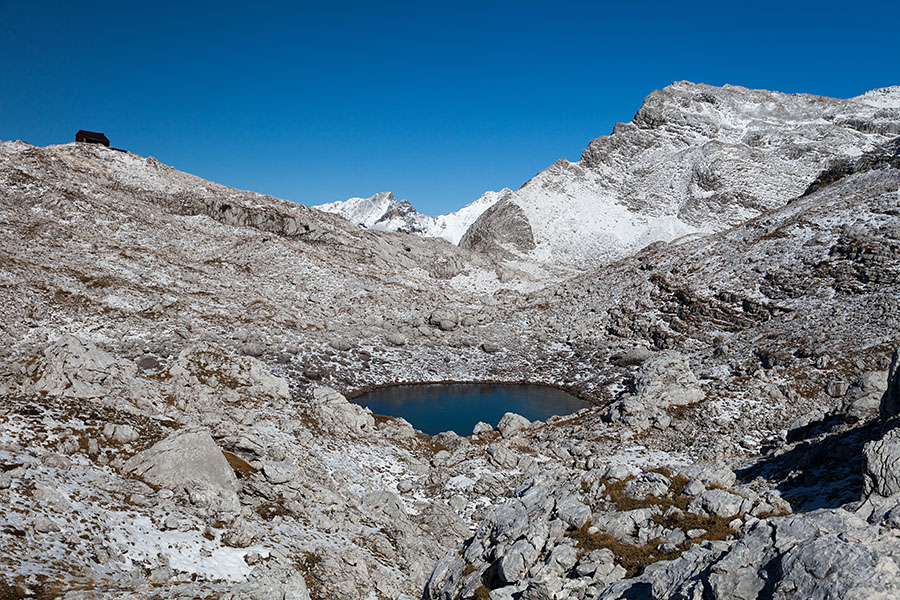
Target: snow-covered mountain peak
696, 158
383, 211
380, 211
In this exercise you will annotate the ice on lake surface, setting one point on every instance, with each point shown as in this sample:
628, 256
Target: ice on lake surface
436, 407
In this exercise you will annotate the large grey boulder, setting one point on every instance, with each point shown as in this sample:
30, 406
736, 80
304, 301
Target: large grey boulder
714, 473
443, 318
185, 457
516, 561
633, 357
204, 375
882, 465
664, 379
279, 472
120, 432
572, 511
667, 378
719, 503
863, 399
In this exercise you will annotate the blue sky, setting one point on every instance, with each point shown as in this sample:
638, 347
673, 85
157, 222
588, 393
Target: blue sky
437, 101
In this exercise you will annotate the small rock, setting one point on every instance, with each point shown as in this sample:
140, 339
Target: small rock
161, 575
396, 339
490, 347
481, 427
693, 487
254, 349
648, 484
695, 533
719, 503
44, 525
120, 433
147, 363
444, 319
278, 472
632, 358
55, 461
836, 389
341, 345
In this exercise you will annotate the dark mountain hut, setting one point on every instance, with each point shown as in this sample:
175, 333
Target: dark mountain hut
91, 137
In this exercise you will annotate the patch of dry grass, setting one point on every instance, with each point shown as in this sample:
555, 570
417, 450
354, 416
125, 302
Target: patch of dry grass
241, 467
632, 558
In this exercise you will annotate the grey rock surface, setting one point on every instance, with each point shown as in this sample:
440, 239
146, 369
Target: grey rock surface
185, 457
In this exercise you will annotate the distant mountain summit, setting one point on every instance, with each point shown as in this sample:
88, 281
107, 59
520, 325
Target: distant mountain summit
385, 212
695, 159
381, 211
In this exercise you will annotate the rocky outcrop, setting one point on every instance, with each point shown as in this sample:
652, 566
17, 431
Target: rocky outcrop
502, 226
335, 414
74, 367
205, 374
560, 539
663, 380
863, 399
823, 554
882, 456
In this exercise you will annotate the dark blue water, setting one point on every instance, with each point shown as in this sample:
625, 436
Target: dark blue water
436, 407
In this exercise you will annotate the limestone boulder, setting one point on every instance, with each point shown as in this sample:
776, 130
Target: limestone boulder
336, 415
205, 374
863, 398
183, 458
511, 424
667, 379
881, 474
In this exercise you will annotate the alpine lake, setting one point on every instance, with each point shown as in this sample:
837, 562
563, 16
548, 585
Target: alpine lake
436, 407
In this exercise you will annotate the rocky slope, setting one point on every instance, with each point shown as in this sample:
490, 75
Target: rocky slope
176, 357
790, 321
385, 213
